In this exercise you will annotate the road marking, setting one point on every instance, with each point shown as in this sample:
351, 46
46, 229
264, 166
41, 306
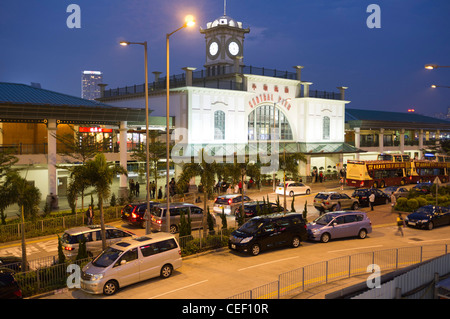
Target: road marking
334, 251
267, 263
426, 241
169, 292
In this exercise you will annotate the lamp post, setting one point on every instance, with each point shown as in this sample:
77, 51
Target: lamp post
147, 213
440, 86
189, 22
435, 66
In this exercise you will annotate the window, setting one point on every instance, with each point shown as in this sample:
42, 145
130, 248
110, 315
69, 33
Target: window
128, 256
326, 128
219, 125
263, 121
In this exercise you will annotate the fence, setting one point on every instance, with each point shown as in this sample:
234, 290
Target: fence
46, 226
301, 279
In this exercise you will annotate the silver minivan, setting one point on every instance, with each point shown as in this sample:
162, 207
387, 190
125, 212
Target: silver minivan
339, 225
92, 234
158, 216
130, 261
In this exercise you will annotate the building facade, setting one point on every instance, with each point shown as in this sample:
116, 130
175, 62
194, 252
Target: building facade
90, 80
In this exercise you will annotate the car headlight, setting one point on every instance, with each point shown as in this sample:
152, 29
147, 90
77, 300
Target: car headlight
96, 277
423, 221
246, 239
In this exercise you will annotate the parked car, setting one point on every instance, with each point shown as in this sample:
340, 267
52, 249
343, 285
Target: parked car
339, 225
134, 214
158, 216
9, 288
229, 203
399, 191
269, 231
324, 201
293, 188
251, 209
424, 188
428, 217
129, 261
12, 262
92, 234
362, 195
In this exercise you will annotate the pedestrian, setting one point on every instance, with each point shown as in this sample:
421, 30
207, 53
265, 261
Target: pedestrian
132, 187
393, 201
229, 190
136, 188
321, 176
160, 194
372, 200
341, 182
400, 224
90, 215
153, 190
337, 207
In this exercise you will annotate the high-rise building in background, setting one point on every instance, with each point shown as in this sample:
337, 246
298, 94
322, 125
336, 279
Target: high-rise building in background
89, 84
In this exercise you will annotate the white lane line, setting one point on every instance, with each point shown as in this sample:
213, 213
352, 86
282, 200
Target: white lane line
334, 251
169, 292
267, 263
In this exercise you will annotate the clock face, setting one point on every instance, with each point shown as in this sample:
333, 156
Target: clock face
213, 48
233, 48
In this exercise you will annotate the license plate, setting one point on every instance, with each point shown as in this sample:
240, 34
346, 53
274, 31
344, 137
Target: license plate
412, 223
357, 197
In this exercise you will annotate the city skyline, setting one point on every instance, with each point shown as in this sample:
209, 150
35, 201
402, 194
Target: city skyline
382, 67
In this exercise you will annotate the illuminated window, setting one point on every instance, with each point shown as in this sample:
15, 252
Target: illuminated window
326, 128
262, 122
219, 125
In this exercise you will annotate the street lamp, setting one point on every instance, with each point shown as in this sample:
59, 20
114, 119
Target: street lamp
147, 213
440, 86
435, 66
188, 22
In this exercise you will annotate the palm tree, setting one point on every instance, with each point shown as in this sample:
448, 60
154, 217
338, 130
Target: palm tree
99, 174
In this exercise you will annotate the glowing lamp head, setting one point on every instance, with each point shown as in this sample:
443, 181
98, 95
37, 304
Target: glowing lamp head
433, 86
124, 43
189, 21
430, 66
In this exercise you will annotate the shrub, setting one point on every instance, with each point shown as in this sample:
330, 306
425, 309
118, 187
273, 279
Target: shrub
412, 204
402, 204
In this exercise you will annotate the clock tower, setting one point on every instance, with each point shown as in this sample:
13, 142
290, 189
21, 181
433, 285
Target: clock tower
224, 45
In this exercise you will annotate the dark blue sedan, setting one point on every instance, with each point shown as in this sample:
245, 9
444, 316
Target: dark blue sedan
428, 217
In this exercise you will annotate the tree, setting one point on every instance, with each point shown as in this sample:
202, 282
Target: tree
223, 217
61, 256
292, 205
99, 174
7, 195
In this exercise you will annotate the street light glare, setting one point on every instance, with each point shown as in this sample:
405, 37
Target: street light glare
124, 43
189, 21
433, 86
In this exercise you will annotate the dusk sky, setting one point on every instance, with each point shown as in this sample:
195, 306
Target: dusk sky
383, 67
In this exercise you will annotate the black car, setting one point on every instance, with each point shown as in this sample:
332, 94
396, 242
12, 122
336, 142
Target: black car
134, 214
251, 208
424, 188
363, 194
428, 217
12, 262
269, 231
9, 288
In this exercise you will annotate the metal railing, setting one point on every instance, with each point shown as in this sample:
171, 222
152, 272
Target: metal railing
300, 279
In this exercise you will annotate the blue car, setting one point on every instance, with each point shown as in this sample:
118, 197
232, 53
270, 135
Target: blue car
339, 225
428, 217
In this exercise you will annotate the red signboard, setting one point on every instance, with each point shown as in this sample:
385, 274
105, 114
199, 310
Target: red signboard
95, 130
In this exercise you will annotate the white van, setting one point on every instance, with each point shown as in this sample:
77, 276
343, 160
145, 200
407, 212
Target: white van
130, 261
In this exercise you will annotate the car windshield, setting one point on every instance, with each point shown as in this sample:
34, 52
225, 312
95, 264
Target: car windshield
251, 226
323, 220
425, 210
107, 257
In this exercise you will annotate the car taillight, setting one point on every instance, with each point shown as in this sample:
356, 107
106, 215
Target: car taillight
68, 248
159, 221
327, 203
133, 215
18, 293
179, 252
230, 201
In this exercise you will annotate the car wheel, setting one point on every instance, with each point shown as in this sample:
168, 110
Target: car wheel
255, 250
430, 226
308, 191
173, 229
295, 242
110, 288
166, 271
291, 194
362, 234
325, 238
355, 206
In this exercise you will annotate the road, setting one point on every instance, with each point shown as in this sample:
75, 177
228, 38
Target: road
209, 275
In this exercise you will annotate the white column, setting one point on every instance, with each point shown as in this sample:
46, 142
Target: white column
123, 183
402, 141
421, 140
51, 164
381, 140
357, 140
